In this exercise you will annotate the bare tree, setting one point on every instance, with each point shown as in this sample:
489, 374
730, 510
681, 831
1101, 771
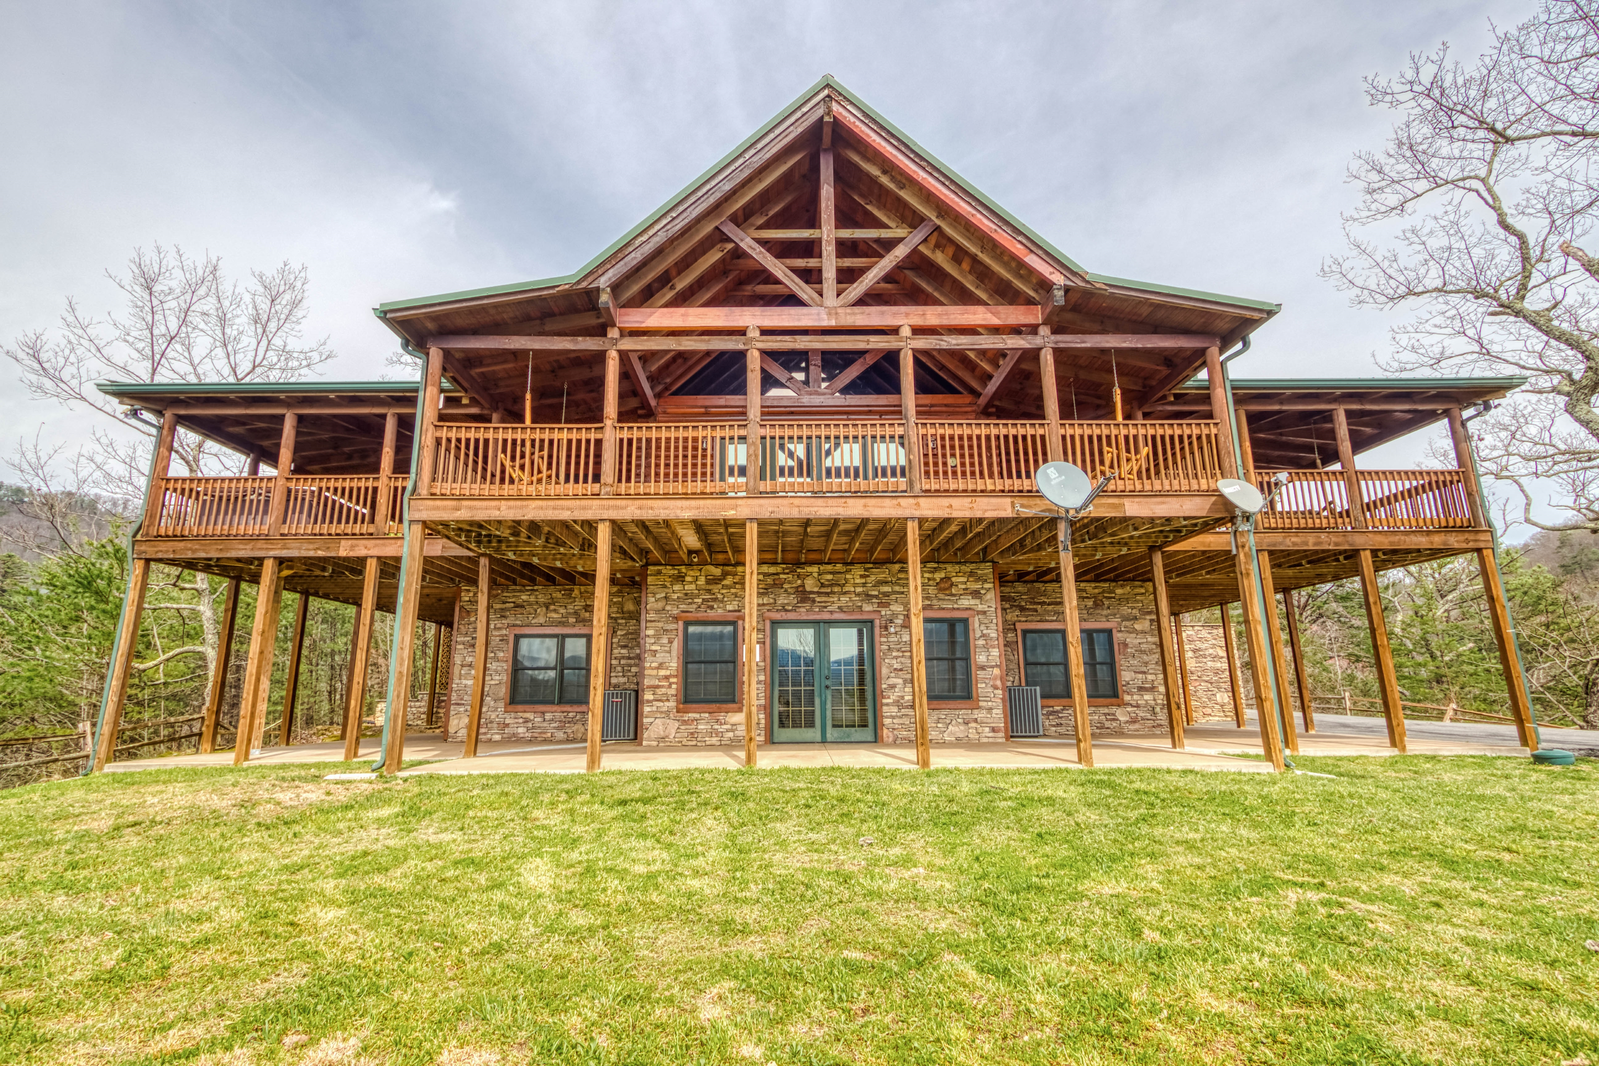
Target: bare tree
1479, 207
182, 320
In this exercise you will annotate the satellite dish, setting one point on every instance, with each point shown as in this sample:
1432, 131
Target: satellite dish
1241, 494
1063, 485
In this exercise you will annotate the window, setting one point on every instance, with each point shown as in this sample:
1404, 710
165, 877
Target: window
1044, 663
550, 668
949, 658
710, 662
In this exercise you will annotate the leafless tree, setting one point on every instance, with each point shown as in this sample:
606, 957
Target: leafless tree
1476, 215
182, 320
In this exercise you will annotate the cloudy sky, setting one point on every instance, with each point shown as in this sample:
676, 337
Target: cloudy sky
399, 149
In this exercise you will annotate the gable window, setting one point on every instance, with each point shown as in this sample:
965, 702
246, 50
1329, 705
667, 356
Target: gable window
1044, 663
710, 662
948, 646
549, 668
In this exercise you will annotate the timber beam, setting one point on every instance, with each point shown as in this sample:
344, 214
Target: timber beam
869, 317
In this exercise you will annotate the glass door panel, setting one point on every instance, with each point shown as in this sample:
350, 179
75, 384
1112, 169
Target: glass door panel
823, 682
793, 684
849, 683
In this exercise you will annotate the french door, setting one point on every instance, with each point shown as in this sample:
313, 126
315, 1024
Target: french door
823, 682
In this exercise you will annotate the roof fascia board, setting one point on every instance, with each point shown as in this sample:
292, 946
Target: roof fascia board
1199, 384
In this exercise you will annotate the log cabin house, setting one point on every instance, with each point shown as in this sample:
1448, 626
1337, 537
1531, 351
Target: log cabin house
762, 473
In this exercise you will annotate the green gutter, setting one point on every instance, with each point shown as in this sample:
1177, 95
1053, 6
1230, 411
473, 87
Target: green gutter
827, 81
1359, 384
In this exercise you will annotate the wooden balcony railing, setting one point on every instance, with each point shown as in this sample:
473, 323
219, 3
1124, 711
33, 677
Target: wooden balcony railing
1391, 499
315, 506
672, 459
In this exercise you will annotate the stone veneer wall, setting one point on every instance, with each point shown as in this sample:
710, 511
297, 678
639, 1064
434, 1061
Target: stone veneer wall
1130, 606
848, 590
543, 605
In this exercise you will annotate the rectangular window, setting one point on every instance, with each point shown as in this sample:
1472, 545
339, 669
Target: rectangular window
949, 658
549, 668
710, 662
1044, 663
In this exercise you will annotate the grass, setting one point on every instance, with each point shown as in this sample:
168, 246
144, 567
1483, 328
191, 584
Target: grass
1412, 910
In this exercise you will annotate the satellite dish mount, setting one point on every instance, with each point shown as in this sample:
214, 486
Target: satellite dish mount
1068, 488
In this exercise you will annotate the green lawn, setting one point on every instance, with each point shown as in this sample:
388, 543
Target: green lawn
1410, 910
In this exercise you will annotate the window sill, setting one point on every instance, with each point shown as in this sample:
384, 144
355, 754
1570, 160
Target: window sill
710, 708
952, 705
1117, 702
539, 708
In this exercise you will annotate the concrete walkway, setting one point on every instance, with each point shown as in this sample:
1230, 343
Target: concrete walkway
1210, 746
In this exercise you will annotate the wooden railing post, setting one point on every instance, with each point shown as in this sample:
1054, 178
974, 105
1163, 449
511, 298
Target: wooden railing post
159, 471
1346, 460
1246, 449
427, 446
1467, 462
1053, 447
608, 450
1218, 411
907, 402
380, 509
752, 414
280, 480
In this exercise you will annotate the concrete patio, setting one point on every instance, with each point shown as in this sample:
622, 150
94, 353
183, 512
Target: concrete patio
1210, 746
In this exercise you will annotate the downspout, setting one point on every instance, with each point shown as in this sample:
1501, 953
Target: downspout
122, 618
1266, 607
1493, 535
405, 518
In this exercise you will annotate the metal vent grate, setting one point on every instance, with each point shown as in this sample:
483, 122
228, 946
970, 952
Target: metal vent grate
1026, 710
621, 715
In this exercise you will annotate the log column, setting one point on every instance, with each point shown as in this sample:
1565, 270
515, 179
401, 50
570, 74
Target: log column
360, 647
258, 670
1259, 672
1301, 676
480, 655
291, 687
219, 673
433, 673
1168, 651
1232, 663
1074, 649
381, 515
1274, 634
752, 629
1218, 411
599, 640
907, 404
608, 445
157, 492
122, 663
1053, 448
408, 597
1182, 668
752, 414
1467, 462
280, 480
913, 578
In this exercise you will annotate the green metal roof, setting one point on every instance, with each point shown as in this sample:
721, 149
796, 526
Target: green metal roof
136, 389
827, 81
1506, 382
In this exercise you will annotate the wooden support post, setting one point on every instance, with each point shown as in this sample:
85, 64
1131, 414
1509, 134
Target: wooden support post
1054, 449
480, 655
360, 648
1182, 668
158, 472
599, 641
826, 223
1218, 411
752, 416
291, 686
219, 673
1246, 449
1346, 461
1274, 636
122, 663
1232, 663
258, 669
1301, 675
1168, 651
280, 482
1074, 649
380, 513
1467, 462
1259, 673
608, 445
447, 712
752, 630
1381, 653
913, 579
999, 629
406, 609
907, 402
433, 673
1509, 661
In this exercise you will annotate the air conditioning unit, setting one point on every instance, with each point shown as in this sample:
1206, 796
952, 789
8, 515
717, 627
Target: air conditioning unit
1026, 710
620, 721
